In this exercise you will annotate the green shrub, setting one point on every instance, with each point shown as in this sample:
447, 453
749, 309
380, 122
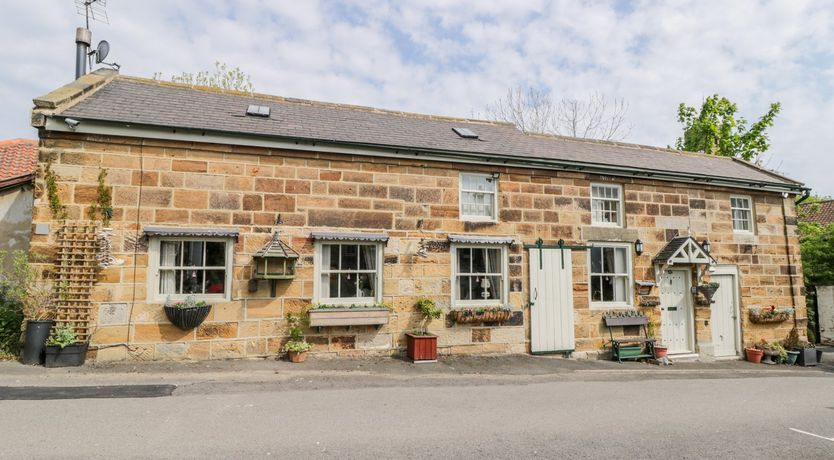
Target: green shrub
11, 322
63, 337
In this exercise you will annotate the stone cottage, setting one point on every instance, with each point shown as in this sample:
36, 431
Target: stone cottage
384, 207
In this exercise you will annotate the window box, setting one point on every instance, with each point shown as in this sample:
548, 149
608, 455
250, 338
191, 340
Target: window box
477, 315
349, 316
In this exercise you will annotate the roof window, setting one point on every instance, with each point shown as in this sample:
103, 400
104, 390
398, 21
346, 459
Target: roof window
465, 133
257, 110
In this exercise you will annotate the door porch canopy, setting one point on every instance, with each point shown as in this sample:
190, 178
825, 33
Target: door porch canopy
682, 250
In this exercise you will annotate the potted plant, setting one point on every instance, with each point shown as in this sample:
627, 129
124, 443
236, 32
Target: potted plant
807, 354
753, 354
38, 308
421, 345
660, 351
63, 349
297, 347
790, 344
187, 314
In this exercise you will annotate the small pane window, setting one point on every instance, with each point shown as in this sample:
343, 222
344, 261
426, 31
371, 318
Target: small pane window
479, 275
191, 267
349, 273
606, 205
610, 277
742, 213
478, 194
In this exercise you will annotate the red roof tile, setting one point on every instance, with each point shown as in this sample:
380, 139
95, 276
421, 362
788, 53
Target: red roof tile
821, 212
18, 158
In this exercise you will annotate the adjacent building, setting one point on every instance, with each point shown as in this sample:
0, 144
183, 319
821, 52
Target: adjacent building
18, 163
385, 207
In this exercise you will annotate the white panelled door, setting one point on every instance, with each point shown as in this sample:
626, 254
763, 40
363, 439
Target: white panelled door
724, 316
676, 314
551, 301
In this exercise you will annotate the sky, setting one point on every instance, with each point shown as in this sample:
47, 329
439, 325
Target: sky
453, 58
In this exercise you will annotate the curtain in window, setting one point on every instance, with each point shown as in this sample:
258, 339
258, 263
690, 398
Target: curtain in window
494, 266
367, 281
168, 258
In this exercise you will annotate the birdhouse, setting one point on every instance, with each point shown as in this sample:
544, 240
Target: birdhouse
275, 261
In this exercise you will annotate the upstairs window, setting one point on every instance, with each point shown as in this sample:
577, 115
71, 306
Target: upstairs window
606, 205
478, 197
742, 211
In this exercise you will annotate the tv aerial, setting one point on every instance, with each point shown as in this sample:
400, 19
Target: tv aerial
97, 11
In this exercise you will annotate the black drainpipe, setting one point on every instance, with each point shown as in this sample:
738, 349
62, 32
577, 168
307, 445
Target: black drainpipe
788, 253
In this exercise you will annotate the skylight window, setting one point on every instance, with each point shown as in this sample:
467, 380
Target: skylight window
465, 133
257, 110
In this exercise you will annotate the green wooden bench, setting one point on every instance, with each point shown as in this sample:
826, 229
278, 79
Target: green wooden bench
630, 347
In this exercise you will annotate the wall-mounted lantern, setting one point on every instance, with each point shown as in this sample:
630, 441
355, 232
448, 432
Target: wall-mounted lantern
275, 261
706, 246
638, 247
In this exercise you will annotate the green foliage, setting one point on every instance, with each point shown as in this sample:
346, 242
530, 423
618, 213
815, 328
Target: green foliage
103, 207
222, 77
58, 210
189, 302
716, 130
376, 306
63, 337
651, 328
22, 288
296, 342
792, 340
430, 311
816, 244
11, 322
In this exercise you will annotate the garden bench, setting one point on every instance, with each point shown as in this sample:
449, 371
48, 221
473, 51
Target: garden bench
630, 347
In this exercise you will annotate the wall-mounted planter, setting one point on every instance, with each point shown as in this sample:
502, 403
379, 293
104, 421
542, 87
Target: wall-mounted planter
706, 290
325, 317
69, 356
474, 316
187, 318
766, 315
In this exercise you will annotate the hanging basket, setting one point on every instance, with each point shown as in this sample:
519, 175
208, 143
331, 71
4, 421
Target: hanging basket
187, 318
707, 290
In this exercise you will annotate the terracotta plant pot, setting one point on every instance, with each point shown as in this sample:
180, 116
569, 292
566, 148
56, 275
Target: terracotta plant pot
660, 351
754, 355
297, 356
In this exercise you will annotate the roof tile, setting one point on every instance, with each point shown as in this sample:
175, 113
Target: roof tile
18, 158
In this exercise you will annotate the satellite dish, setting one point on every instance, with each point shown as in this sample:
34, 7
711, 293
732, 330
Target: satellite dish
101, 51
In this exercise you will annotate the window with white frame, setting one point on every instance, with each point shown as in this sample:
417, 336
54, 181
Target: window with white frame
606, 205
479, 275
610, 275
478, 197
349, 272
190, 266
742, 211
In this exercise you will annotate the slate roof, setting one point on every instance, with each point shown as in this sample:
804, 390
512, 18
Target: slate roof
277, 248
18, 161
672, 247
147, 102
821, 212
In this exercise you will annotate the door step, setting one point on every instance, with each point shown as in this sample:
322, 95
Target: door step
684, 357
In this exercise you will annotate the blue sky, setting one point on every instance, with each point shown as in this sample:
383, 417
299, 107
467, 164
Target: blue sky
454, 57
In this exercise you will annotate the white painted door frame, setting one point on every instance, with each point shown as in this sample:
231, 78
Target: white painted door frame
688, 304
732, 270
551, 301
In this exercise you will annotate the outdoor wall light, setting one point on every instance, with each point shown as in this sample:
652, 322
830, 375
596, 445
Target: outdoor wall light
705, 246
638, 247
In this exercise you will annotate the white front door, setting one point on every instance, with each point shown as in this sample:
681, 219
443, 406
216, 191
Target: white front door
676, 314
724, 313
551, 301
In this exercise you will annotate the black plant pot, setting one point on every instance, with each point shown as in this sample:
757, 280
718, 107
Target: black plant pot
187, 318
36, 334
69, 356
807, 357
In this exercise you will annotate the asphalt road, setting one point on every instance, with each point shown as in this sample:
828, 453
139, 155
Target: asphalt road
591, 416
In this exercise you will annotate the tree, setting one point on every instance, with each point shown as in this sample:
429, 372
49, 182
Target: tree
222, 77
816, 242
534, 110
715, 129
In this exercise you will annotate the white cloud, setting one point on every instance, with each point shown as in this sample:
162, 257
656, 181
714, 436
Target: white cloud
452, 58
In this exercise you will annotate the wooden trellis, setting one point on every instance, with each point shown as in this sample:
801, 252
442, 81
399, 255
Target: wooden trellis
75, 275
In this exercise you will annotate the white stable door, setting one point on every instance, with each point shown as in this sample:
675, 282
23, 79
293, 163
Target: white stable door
724, 316
551, 301
676, 314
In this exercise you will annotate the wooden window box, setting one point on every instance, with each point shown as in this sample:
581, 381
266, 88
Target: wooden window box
325, 317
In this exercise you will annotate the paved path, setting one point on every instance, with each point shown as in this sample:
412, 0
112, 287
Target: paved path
390, 409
